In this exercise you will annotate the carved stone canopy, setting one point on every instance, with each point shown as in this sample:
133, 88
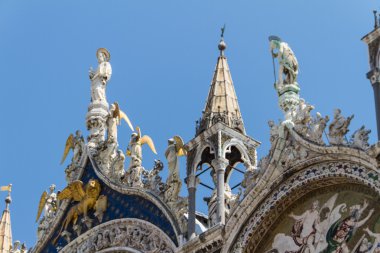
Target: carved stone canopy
220, 141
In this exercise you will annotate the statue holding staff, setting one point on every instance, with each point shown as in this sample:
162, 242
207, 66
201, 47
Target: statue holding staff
288, 70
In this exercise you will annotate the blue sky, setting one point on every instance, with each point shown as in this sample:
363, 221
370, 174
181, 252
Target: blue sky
163, 55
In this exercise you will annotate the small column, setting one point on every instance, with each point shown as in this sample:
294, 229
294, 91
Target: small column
374, 77
219, 166
372, 39
192, 182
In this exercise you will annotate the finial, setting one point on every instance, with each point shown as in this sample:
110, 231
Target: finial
222, 45
8, 199
376, 20
222, 29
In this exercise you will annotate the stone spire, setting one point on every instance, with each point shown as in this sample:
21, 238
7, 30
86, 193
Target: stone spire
221, 143
222, 104
5, 224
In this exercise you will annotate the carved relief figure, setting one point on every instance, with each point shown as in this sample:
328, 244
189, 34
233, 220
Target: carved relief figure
101, 76
339, 128
288, 71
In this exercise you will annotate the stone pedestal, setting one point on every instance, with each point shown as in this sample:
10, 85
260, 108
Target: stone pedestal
288, 99
96, 123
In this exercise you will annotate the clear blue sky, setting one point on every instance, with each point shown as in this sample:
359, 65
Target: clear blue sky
163, 55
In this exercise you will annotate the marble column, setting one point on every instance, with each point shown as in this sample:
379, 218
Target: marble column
192, 182
220, 165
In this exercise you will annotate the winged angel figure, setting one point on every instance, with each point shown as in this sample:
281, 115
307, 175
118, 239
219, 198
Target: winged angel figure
116, 115
134, 149
48, 203
87, 196
175, 149
75, 143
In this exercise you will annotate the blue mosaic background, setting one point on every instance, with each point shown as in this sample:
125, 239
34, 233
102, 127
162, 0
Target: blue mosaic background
119, 206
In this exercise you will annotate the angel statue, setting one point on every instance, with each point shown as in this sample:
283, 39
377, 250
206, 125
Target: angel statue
87, 197
101, 76
134, 150
48, 203
75, 143
175, 149
287, 61
114, 120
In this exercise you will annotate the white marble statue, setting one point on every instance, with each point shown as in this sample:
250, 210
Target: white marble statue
134, 150
18, 247
339, 128
172, 153
317, 127
360, 138
288, 70
112, 123
135, 147
114, 119
100, 77
48, 204
302, 117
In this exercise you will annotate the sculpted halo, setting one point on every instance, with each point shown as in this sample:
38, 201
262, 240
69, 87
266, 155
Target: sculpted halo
105, 52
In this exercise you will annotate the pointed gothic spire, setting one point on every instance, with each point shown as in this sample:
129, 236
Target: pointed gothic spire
222, 104
5, 223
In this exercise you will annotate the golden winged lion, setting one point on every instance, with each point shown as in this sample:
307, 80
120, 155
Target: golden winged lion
87, 197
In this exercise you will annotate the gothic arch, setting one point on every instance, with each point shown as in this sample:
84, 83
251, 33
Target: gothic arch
239, 145
198, 156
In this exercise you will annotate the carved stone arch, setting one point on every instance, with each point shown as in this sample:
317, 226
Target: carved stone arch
120, 250
268, 206
239, 145
128, 235
241, 148
199, 153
